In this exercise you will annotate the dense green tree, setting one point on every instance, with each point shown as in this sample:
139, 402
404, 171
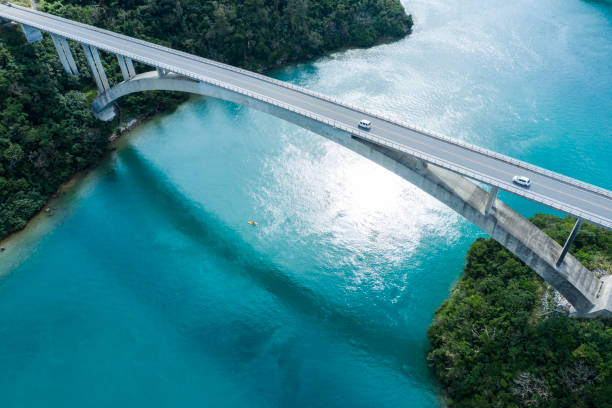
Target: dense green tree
46, 129
493, 345
256, 34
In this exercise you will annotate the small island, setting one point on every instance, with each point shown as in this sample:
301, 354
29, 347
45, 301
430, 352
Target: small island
504, 339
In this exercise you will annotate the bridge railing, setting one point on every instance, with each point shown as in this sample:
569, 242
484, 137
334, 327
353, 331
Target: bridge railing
376, 139
367, 136
410, 151
458, 142
448, 139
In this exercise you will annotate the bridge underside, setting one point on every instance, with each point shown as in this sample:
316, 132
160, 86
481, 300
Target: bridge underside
589, 295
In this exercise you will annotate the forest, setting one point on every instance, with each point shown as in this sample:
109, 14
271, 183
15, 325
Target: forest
495, 344
47, 132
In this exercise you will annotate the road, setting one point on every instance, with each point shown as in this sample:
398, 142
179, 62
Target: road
554, 190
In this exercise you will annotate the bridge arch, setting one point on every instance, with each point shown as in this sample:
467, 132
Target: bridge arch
588, 294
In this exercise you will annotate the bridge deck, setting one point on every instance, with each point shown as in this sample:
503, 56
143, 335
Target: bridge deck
554, 190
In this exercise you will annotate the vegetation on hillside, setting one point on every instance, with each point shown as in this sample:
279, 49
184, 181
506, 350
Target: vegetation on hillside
256, 34
493, 345
47, 132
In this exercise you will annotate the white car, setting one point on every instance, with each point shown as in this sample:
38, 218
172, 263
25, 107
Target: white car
522, 181
365, 124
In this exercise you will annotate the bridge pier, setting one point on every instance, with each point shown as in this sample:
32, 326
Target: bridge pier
65, 55
491, 199
32, 34
97, 70
569, 241
69, 56
420, 164
123, 67
61, 54
130, 67
106, 114
127, 67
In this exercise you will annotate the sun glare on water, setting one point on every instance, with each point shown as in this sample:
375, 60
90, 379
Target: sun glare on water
365, 214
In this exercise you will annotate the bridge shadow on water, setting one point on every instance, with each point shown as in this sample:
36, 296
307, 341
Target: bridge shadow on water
397, 346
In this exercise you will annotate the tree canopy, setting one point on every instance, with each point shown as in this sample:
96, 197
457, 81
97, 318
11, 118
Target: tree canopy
495, 345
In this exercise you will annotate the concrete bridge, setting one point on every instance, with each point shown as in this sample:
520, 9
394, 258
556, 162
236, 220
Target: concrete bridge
441, 166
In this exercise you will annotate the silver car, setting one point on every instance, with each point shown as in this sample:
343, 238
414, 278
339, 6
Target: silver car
522, 181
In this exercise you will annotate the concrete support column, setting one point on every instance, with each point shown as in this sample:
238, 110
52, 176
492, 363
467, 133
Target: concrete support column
491, 199
569, 241
420, 164
93, 58
96, 56
130, 67
69, 56
92, 66
31, 34
61, 54
123, 66
161, 72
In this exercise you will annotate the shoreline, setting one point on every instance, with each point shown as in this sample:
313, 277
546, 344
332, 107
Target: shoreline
51, 205
20, 245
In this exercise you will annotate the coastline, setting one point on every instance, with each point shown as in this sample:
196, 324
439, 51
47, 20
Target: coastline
500, 314
53, 206
20, 245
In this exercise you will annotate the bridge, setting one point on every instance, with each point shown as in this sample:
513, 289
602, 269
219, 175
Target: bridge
442, 166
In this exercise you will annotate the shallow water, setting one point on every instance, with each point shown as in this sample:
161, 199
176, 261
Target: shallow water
149, 288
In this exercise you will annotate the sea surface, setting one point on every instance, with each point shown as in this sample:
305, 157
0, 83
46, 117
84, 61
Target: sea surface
148, 287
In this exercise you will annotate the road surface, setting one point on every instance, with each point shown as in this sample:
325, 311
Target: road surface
554, 190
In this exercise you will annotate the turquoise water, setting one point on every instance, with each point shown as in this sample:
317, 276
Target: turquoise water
149, 288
